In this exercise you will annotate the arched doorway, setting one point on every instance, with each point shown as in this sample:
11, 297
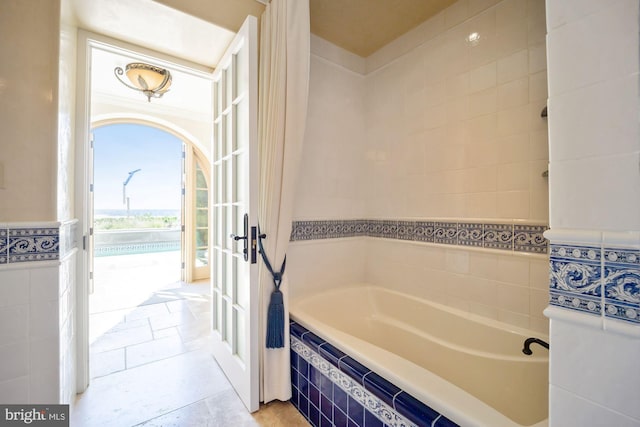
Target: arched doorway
150, 199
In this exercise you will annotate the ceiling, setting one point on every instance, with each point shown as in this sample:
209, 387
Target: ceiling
364, 26
200, 30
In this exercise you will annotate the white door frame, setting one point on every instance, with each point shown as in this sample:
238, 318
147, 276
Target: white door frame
88, 41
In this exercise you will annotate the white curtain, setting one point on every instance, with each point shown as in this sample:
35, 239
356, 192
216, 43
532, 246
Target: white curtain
284, 84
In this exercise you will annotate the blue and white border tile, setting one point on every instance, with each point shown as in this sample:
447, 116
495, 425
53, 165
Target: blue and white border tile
4, 245
509, 237
596, 273
575, 278
621, 284
33, 244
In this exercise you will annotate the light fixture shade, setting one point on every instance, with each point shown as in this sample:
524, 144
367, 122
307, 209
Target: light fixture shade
151, 80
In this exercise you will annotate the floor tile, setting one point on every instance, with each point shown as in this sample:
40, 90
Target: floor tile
122, 338
140, 394
107, 362
152, 351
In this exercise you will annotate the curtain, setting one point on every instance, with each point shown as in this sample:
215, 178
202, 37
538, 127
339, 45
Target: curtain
283, 92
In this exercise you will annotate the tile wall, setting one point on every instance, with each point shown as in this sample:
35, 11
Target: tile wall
455, 121
332, 389
431, 128
37, 340
594, 143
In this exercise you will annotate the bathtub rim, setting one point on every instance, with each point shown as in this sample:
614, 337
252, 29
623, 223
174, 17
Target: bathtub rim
469, 410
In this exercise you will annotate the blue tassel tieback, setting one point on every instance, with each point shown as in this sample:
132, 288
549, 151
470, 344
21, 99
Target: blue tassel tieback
275, 321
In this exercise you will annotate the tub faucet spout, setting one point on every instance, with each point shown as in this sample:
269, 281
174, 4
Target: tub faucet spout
527, 345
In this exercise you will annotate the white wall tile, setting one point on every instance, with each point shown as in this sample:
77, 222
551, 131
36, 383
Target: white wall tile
582, 119
574, 183
579, 55
570, 410
15, 361
14, 324
594, 365
15, 391
14, 287
43, 319
44, 283
513, 67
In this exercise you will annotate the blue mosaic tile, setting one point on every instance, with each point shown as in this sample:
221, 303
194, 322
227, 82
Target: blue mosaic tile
4, 246
575, 278
622, 284
370, 420
415, 410
297, 330
33, 244
356, 411
342, 399
314, 415
445, 233
444, 422
314, 395
354, 369
381, 387
339, 417
332, 354
325, 422
312, 340
470, 234
406, 230
326, 387
529, 238
498, 236
304, 406
423, 231
314, 376
326, 407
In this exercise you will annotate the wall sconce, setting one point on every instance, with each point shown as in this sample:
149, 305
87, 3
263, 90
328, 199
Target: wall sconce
151, 80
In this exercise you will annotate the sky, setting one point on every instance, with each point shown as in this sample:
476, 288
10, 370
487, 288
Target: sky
121, 148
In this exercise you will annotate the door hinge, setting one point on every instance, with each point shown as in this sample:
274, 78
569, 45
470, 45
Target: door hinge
90, 231
91, 275
182, 228
182, 265
84, 243
91, 188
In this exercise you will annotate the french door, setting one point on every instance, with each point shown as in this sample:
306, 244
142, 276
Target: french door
234, 178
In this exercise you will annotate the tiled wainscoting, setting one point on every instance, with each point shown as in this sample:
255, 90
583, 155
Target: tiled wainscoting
599, 278
506, 236
37, 281
332, 389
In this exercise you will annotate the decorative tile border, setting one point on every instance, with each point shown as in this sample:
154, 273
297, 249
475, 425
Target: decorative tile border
621, 284
510, 237
598, 281
25, 242
331, 389
33, 244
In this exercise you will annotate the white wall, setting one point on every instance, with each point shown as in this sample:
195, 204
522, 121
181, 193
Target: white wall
453, 126
331, 179
432, 127
594, 143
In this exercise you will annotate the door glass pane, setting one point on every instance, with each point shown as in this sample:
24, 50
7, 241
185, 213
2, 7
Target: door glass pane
201, 240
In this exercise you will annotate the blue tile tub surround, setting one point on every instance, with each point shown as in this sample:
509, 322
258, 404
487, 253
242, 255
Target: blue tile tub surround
510, 237
621, 283
332, 389
33, 244
575, 278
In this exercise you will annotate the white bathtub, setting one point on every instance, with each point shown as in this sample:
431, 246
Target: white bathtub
466, 367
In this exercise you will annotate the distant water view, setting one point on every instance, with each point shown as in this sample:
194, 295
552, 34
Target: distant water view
115, 213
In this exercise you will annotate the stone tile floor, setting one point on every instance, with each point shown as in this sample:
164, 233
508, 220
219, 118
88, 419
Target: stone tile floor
151, 365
